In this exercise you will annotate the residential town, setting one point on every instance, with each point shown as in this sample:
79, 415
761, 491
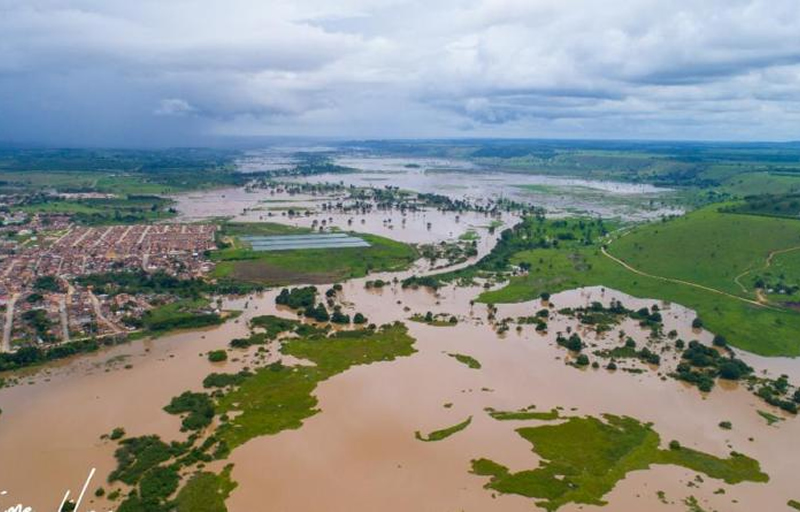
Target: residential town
40, 257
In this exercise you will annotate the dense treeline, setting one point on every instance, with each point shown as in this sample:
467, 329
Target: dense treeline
29, 356
772, 205
159, 282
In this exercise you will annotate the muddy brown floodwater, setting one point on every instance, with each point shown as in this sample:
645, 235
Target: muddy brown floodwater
359, 453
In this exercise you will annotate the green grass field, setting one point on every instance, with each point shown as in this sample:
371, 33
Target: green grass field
706, 247
181, 314
310, 266
98, 211
761, 183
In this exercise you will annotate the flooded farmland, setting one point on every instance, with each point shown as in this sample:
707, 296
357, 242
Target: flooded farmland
360, 452
465, 179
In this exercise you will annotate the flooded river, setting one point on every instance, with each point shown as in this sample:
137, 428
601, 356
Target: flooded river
359, 453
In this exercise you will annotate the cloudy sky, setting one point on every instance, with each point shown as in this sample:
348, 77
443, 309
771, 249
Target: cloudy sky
174, 72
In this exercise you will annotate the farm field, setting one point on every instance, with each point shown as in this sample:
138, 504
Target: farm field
241, 263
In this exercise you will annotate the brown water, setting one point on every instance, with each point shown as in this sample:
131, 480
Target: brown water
360, 453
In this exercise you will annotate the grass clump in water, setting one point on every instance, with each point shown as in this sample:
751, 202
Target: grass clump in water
438, 435
437, 320
769, 417
524, 414
467, 360
584, 458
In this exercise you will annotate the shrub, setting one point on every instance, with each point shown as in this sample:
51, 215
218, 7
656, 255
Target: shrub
340, 318
199, 407
216, 356
573, 343
297, 298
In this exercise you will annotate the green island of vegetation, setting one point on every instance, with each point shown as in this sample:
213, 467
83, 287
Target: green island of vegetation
247, 404
466, 360
524, 414
279, 397
793, 504
585, 457
237, 262
770, 418
437, 320
438, 435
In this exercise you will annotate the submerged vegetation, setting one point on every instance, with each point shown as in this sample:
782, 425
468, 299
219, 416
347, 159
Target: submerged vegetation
280, 397
524, 414
247, 404
585, 457
466, 360
437, 320
439, 435
734, 264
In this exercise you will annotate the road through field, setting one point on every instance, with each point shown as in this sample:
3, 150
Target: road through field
680, 281
767, 264
8, 325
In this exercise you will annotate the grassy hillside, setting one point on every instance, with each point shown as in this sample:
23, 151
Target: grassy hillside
706, 247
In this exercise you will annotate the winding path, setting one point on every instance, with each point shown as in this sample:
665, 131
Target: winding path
687, 283
767, 264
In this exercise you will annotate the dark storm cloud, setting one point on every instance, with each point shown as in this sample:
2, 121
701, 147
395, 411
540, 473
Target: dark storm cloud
179, 72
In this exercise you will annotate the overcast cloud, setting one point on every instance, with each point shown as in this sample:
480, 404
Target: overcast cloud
121, 72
